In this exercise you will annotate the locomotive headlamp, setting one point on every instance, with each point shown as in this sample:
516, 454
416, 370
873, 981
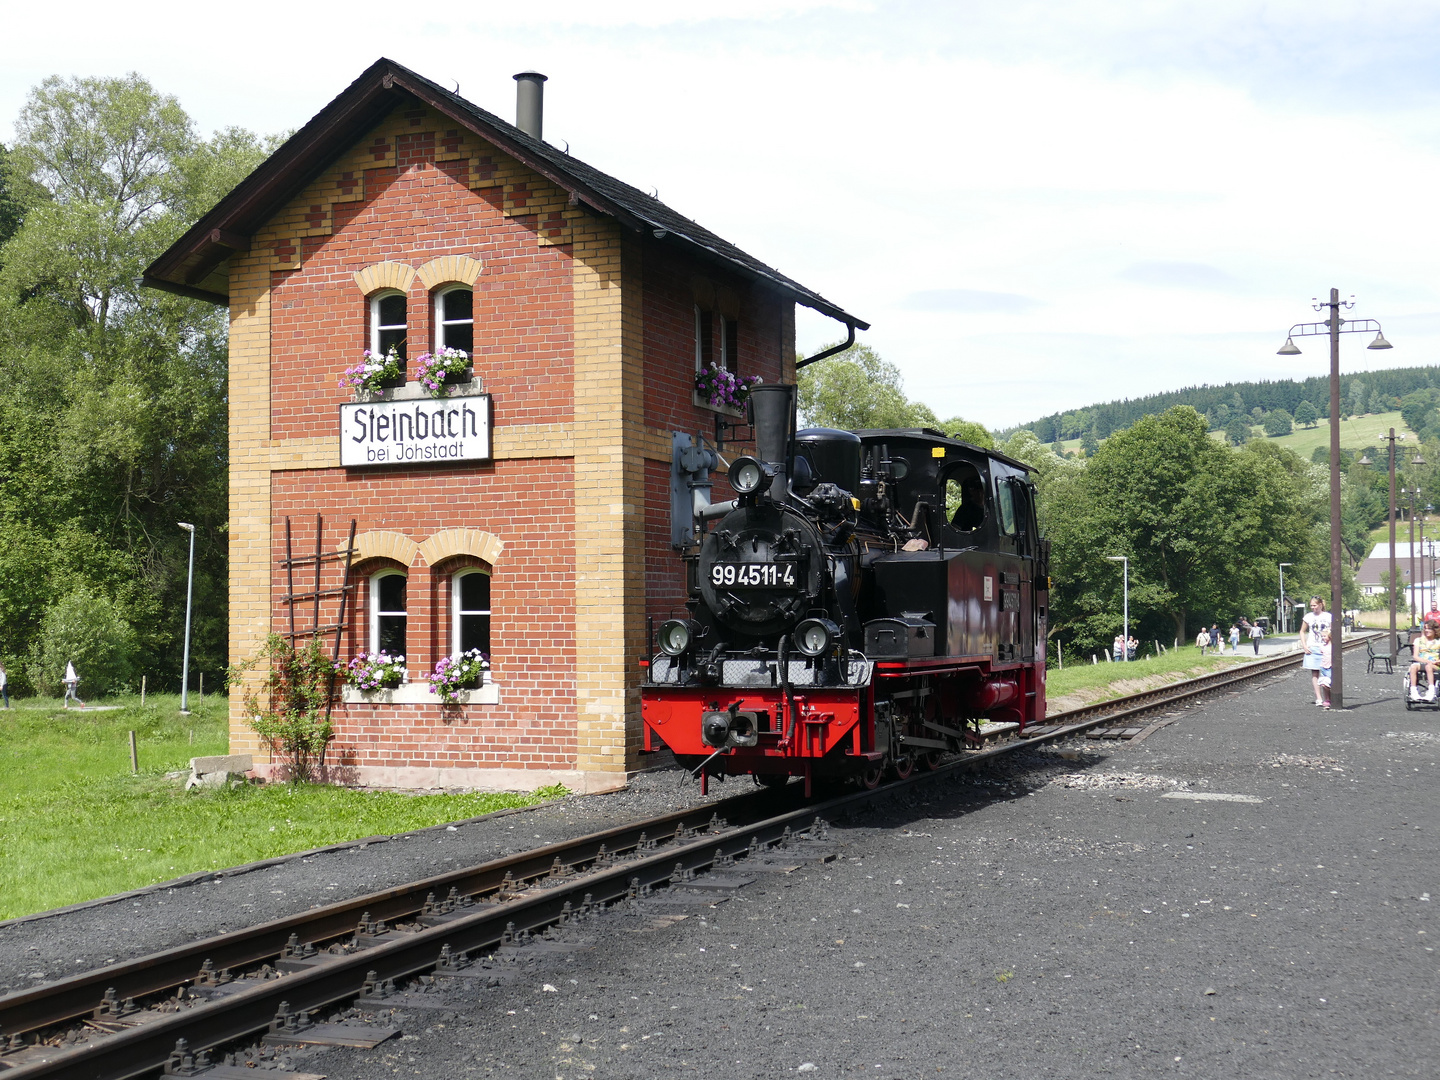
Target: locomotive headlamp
677, 635
816, 637
748, 475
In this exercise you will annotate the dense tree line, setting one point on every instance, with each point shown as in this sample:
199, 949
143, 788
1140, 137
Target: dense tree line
112, 397
1233, 405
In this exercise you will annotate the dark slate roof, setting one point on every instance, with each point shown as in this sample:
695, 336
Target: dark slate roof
193, 266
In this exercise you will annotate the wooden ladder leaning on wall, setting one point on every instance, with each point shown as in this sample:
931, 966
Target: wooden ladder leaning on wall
346, 588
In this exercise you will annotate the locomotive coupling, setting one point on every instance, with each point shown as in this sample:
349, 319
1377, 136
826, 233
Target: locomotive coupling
729, 728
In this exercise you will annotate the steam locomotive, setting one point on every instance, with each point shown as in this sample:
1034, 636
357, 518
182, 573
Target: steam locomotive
869, 601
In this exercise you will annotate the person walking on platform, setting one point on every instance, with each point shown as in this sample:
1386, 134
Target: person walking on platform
1203, 640
1119, 648
1316, 623
1255, 635
1234, 638
3, 688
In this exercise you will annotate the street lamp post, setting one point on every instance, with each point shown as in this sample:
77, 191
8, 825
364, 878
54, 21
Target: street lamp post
1284, 627
1390, 647
1412, 492
189, 592
1333, 327
1125, 629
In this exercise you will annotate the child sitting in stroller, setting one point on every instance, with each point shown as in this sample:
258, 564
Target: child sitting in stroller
1427, 655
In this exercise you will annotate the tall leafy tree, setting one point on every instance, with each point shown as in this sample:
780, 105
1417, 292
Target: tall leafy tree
112, 397
1203, 525
858, 389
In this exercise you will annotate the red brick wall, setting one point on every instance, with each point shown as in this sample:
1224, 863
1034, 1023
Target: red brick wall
532, 597
412, 214
671, 294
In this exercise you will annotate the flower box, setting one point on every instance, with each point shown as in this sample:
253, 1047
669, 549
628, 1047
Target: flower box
375, 373
438, 371
723, 391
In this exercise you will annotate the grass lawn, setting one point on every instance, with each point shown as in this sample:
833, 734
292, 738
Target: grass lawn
76, 824
1096, 682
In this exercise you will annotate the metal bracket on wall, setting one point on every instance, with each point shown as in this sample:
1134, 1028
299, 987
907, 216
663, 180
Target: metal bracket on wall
690, 464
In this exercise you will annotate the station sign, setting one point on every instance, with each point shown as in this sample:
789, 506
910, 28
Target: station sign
417, 431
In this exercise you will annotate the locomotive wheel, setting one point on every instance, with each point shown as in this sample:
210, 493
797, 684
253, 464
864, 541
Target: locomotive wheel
928, 761
772, 780
903, 765
871, 777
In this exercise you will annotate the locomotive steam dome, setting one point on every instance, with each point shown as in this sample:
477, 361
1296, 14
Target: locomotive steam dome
761, 568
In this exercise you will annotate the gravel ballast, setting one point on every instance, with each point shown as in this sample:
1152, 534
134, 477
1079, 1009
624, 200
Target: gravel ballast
1070, 911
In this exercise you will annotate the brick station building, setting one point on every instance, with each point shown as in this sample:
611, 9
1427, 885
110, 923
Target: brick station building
538, 526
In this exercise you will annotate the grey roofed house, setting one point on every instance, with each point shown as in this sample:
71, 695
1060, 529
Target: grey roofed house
1377, 563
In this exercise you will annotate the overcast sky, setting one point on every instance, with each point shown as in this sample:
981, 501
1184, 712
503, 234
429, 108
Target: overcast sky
1037, 205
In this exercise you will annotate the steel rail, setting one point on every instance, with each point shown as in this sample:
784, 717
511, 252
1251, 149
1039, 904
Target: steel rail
145, 1047
52, 1003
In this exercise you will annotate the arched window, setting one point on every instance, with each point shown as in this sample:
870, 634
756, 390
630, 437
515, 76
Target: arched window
470, 607
387, 613
388, 326
455, 320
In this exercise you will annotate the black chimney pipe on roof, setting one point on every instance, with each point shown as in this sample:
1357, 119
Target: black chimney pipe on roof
530, 103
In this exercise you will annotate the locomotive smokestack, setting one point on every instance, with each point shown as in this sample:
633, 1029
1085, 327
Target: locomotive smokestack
530, 102
772, 411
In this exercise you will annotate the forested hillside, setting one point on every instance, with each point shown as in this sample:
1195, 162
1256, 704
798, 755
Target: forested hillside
1251, 402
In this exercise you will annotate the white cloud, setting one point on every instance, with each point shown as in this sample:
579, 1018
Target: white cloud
1037, 205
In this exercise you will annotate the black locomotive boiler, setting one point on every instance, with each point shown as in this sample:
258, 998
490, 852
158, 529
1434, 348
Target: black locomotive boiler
869, 600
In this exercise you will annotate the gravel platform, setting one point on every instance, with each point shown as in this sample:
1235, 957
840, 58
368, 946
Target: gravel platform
1059, 913
1052, 916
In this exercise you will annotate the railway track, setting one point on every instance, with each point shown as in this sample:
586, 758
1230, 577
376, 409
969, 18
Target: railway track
131, 1019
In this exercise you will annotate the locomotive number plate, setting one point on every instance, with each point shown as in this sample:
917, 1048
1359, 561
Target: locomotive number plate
753, 575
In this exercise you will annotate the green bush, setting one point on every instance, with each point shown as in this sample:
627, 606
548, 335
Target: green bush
88, 631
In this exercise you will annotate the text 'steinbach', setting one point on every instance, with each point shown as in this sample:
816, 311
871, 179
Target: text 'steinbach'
415, 432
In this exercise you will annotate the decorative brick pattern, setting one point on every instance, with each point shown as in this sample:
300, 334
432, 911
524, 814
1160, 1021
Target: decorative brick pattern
383, 544
449, 269
385, 275
450, 542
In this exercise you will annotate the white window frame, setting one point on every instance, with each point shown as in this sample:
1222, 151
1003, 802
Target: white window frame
440, 324
375, 326
699, 346
455, 611
375, 612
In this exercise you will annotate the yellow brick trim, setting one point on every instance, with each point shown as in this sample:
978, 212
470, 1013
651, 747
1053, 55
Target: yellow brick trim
451, 268
383, 544
385, 275
609, 495
249, 543
449, 542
